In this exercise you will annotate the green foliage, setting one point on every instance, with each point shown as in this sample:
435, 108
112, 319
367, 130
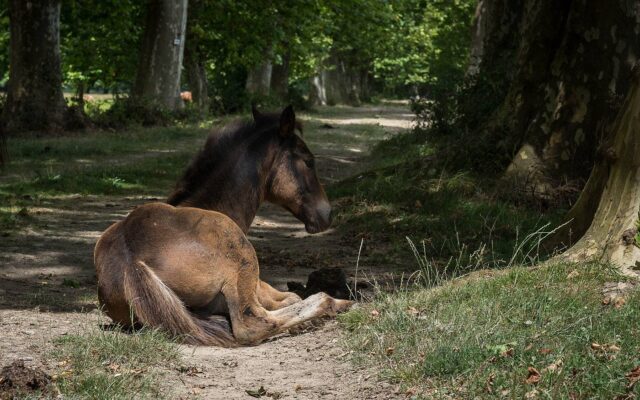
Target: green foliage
478, 336
99, 40
410, 192
4, 42
426, 43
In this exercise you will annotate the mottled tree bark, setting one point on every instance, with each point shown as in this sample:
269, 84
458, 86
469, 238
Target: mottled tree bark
574, 63
160, 66
610, 236
34, 100
494, 35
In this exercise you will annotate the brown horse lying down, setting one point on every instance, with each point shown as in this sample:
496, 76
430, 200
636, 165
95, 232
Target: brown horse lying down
181, 269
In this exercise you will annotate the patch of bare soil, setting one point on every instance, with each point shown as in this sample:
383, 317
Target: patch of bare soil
18, 381
47, 288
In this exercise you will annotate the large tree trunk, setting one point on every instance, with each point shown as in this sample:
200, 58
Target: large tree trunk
611, 234
573, 64
34, 100
160, 66
494, 35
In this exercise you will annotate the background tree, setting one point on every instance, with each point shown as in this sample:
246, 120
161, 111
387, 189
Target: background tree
94, 35
545, 80
611, 233
34, 100
160, 63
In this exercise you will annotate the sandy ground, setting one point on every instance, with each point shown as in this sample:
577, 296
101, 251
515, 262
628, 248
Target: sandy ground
47, 287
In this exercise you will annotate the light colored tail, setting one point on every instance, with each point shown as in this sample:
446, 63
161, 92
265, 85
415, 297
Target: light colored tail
155, 305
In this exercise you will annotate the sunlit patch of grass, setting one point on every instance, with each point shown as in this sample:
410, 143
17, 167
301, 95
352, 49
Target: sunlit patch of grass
110, 365
478, 336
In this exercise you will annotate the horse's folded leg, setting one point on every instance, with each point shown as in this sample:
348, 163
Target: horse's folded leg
273, 299
316, 306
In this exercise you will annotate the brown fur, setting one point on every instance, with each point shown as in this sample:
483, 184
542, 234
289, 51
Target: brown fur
162, 266
180, 269
246, 163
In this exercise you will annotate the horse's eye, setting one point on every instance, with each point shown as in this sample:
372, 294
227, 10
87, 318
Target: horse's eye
310, 162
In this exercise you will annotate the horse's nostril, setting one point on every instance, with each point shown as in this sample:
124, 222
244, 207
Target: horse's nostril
325, 214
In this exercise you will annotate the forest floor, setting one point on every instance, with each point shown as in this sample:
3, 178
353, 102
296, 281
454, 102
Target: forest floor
61, 194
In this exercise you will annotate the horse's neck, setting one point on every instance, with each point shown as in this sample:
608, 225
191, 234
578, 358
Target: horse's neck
237, 199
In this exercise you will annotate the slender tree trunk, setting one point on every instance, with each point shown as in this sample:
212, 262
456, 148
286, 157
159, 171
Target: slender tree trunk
611, 234
160, 66
34, 100
317, 92
280, 77
259, 79
197, 79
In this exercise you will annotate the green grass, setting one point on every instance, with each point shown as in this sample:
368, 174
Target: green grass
100, 163
407, 192
108, 365
476, 337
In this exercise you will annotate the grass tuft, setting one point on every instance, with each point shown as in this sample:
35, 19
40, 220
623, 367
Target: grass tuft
110, 365
479, 336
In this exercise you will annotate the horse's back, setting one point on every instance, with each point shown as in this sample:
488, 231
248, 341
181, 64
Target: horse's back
193, 251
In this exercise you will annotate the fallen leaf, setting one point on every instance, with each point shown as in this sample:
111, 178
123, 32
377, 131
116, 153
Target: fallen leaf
596, 346
533, 394
573, 274
533, 377
633, 376
545, 351
389, 351
413, 311
553, 367
489, 384
410, 392
375, 313
508, 353
257, 392
613, 348
619, 302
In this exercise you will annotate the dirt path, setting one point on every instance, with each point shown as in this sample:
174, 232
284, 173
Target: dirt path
47, 279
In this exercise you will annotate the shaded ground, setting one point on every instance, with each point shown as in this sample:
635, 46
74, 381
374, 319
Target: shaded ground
47, 279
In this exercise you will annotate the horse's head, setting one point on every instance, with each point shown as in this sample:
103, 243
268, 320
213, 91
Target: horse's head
292, 182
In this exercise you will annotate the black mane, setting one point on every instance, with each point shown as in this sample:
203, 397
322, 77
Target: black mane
215, 152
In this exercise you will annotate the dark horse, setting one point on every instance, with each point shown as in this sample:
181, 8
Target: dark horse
180, 268
242, 166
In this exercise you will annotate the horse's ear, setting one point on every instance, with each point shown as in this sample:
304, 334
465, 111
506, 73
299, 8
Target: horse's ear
287, 122
256, 114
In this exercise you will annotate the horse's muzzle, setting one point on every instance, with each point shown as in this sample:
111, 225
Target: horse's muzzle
321, 218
